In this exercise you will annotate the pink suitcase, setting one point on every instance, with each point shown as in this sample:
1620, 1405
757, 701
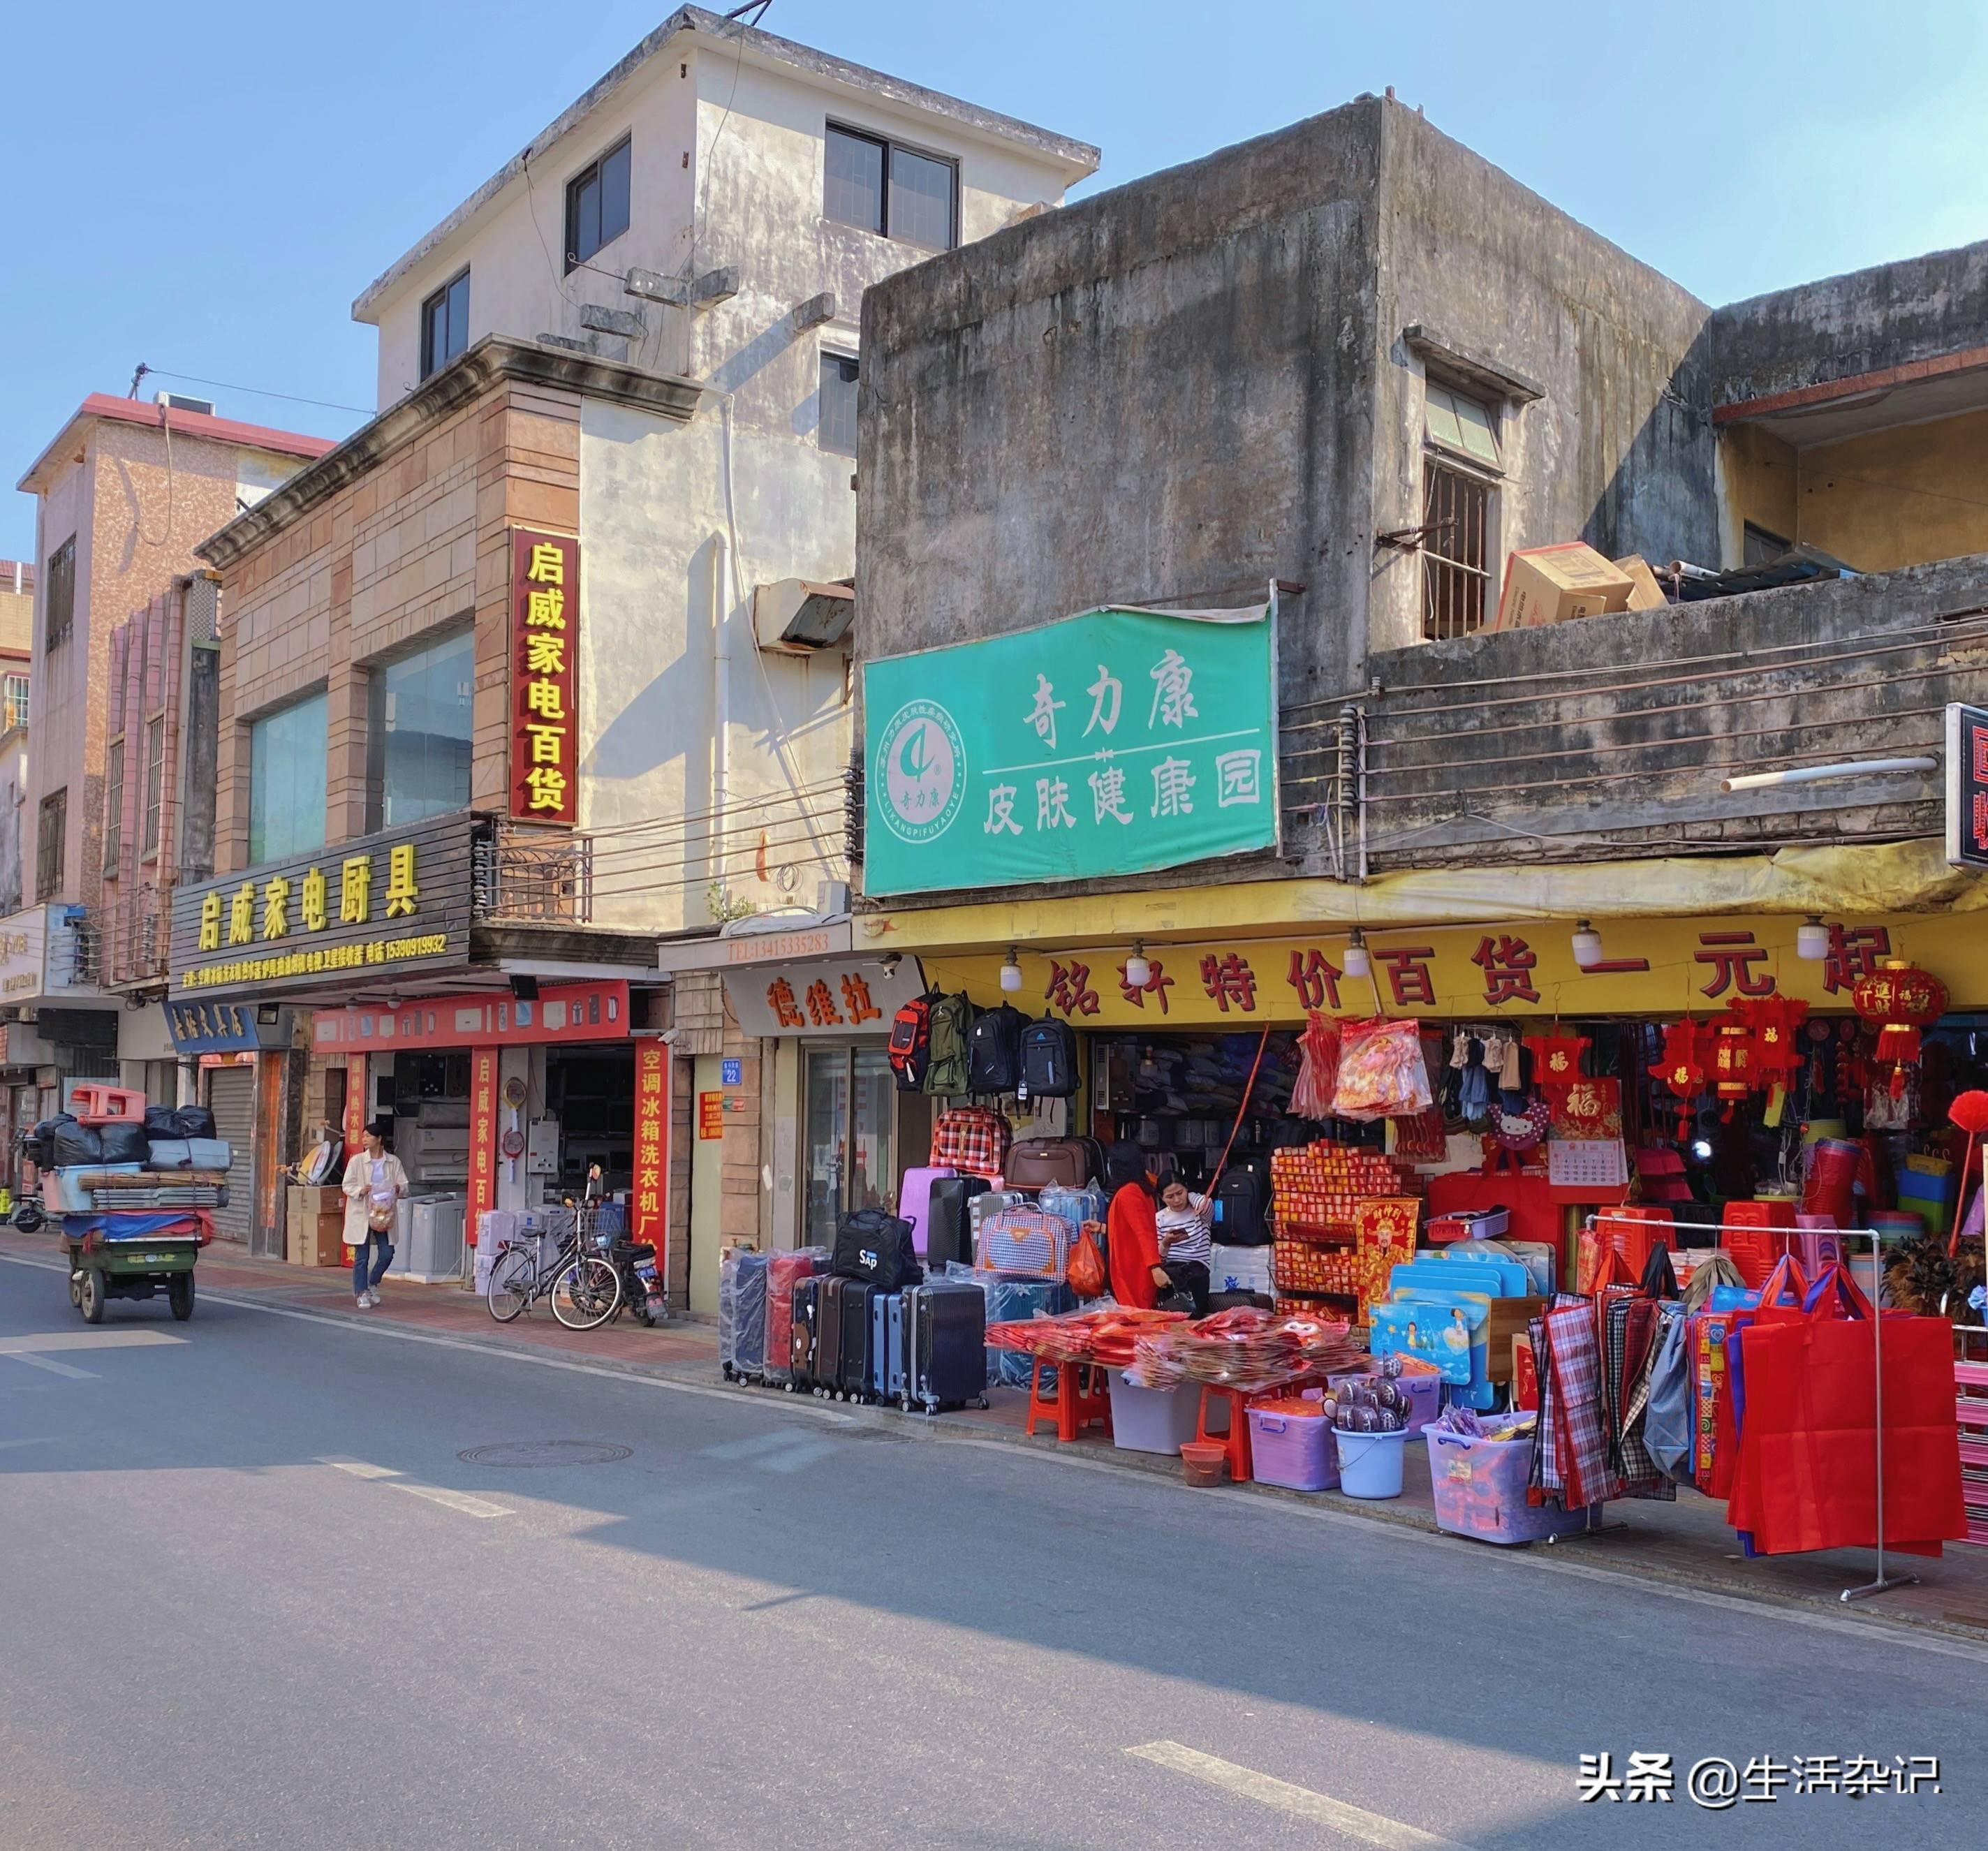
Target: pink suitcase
914, 1202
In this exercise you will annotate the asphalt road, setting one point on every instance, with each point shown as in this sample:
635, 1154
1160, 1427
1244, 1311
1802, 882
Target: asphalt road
254, 1595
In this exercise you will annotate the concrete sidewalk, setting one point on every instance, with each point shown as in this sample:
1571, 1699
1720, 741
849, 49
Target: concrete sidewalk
1686, 1543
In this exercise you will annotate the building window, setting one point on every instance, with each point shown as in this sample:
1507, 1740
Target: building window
1456, 516
419, 744
837, 428
155, 778
51, 835
596, 206
445, 324
1759, 547
286, 789
61, 592
16, 711
896, 192
1462, 425
114, 806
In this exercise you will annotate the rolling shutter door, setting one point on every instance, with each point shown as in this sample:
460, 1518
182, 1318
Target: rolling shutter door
230, 1097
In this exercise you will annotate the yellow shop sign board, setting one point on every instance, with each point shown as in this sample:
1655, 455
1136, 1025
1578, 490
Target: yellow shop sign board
1658, 968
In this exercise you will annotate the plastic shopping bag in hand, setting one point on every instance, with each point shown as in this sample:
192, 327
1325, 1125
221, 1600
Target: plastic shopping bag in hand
1381, 1072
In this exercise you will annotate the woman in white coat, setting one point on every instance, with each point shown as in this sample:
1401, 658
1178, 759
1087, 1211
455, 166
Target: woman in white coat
374, 1183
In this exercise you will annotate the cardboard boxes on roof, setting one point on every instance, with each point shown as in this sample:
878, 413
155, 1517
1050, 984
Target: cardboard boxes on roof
1550, 584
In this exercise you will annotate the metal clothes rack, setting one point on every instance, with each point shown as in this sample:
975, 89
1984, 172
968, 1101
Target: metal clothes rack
1881, 1583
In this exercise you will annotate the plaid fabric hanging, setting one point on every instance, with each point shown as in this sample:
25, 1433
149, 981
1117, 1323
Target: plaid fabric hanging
1630, 1354
1580, 1437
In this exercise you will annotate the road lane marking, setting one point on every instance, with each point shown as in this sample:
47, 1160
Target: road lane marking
1301, 1802
734, 1451
454, 1500
43, 1340
359, 1469
53, 1367
43, 1440
795, 1458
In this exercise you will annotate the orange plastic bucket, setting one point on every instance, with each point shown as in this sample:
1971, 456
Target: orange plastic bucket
1205, 1462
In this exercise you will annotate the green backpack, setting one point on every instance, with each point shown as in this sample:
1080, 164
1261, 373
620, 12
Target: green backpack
951, 1037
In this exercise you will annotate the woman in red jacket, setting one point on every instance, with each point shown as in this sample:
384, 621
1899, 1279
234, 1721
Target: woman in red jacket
1131, 1233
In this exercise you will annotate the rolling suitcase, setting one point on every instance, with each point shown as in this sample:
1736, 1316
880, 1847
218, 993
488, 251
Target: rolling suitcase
828, 1335
881, 1307
914, 1203
805, 1331
948, 1232
893, 1353
748, 1328
945, 1327
852, 1379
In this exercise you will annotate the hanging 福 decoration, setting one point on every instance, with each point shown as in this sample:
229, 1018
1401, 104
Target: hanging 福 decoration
1557, 1062
1901, 1001
1686, 1061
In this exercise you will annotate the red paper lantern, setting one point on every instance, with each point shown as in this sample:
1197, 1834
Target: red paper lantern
1901, 1001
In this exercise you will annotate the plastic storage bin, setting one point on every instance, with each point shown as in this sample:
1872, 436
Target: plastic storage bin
1152, 1419
1480, 1491
1291, 1444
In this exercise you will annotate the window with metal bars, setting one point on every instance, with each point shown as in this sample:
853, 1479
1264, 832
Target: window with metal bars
1457, 520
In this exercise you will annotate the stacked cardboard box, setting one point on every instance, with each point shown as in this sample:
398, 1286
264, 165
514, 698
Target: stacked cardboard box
316, 1226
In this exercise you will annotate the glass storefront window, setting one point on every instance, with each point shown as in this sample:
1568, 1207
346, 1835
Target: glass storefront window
851, 1133
286, 790
418, 743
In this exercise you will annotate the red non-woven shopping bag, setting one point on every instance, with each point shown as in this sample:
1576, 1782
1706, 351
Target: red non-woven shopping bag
1806, 1475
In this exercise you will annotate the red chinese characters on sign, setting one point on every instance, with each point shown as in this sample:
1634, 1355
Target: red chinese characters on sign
1315, 979
1508, 964
856, 1000
780, 1000
1854, 953
1732, 957
1409, 978
1069, 990
1157, 985
648, 1200
545, 643
482, 1134
1229, 979
821, 1008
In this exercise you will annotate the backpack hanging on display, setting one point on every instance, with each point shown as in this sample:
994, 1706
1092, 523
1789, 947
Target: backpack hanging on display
1049, 1060
994, 1051
1241, 1204
911, 1042
948, 1032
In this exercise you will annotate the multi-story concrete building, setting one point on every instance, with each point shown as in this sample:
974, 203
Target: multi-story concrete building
627, 364
124, 493
1354, 362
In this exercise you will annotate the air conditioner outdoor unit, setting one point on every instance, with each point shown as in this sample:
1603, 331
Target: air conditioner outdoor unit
183, 401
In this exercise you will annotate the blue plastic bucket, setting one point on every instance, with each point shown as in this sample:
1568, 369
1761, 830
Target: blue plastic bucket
1370, 1464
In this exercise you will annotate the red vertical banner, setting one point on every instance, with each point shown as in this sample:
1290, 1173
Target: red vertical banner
356, 1105
482, 1136
650, 1197
545, 646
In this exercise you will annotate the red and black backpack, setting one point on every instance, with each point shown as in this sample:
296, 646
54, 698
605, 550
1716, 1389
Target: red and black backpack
911, 1042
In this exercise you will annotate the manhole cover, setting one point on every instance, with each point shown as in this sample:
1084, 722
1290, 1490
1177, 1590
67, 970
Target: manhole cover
546, 1452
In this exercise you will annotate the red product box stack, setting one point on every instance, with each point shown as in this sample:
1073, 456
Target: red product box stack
1322, 1185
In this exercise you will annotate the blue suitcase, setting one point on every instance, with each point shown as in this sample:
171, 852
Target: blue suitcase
887, 1325
894, 1379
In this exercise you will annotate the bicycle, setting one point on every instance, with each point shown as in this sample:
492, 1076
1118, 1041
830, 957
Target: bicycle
585, 1289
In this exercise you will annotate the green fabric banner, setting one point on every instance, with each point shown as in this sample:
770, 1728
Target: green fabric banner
1114, 743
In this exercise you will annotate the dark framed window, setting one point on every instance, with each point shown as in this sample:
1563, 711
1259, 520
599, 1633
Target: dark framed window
1759, 547
836, 429
1456, 519
445, 324
155, 778
51, 835
419, 744
597, 205
895, 191
61, 592
114, 806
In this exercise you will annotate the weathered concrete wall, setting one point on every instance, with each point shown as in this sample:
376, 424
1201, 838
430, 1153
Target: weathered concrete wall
1161, 395
1608, 737
1888, 316
1615, 451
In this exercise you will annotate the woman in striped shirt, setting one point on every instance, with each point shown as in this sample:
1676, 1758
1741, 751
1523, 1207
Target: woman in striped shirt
1186, 1245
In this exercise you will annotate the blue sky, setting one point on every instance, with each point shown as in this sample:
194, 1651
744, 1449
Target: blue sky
206, 187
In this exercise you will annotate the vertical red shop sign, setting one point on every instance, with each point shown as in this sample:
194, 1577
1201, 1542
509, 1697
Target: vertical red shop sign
652, 1145
482, 1134
545, 646
356, 1105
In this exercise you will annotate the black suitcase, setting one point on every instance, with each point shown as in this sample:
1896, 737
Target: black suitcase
802, 1349
828, 1335
949, 1225
856, 1365
945, 1340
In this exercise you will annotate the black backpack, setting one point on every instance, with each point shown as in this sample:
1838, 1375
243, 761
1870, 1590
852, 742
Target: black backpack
994, 1051
1241, 1204
1049, 1060
874, 1245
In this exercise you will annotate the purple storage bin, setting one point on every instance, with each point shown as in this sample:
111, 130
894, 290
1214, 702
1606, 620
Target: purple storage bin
1294, 1450
1480, 1491
914, 1202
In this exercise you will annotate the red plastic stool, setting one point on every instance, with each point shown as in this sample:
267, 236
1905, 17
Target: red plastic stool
1083, 1399
1240, 1469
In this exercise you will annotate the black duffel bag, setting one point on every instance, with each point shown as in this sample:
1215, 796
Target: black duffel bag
70, 1145
875, 1245
122, 1143
190, 1121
